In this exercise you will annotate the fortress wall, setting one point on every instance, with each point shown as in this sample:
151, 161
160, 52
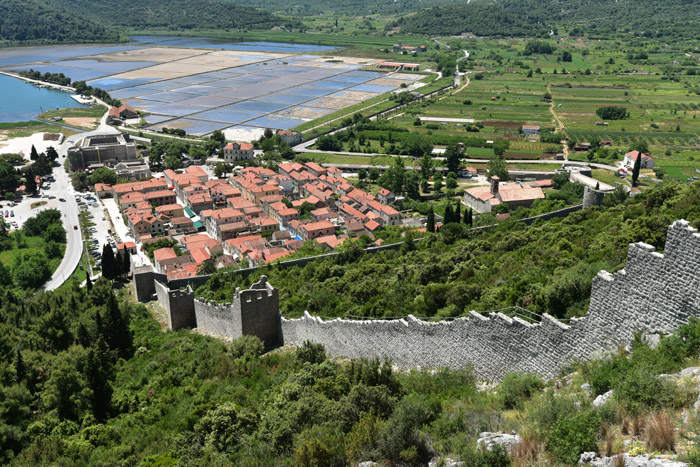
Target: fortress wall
655, 293
178, 304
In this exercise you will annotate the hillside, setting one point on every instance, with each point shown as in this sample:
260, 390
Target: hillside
172, 14
351, 7
647, 18
546, 267
34, 21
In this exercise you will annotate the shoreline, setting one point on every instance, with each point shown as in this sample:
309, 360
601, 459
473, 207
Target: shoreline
41, 83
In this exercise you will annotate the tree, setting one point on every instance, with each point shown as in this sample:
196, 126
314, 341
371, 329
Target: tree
9, 178
500, 146
126, 262
172, 162
30, 185
497, 166
566, 56
20, 367
641, 146
362, 176
417, 145
635, 170
430, 221
33, 155
115, 328
221, 169
103, 175
218, 136
88, 282
198, 152
374, 174
451, 181
453, 158
411, 184
468, 217
109, 265
437, 182
449, 215
51, 153
98, 373
426, 167
612, 112
206, 268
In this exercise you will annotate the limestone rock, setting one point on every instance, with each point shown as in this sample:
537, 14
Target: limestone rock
488, 440
690, 372
602, 399
367, 464
585, 387
591, 458
444, 462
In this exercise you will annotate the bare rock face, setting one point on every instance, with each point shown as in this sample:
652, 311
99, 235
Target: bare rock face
488, 440
444, 462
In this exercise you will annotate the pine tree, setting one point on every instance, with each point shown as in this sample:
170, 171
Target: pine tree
109, 265
88, 282
20, 367
448, 215
637, 168
430, 225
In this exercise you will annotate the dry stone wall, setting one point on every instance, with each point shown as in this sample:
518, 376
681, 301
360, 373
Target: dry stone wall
655, 293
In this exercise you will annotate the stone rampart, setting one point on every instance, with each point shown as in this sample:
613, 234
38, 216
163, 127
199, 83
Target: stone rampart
655, 293
178, 304
253, 312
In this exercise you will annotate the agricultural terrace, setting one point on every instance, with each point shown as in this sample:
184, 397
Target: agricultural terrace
511, 81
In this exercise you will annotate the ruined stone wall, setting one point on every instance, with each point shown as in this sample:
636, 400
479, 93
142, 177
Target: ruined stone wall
655, 293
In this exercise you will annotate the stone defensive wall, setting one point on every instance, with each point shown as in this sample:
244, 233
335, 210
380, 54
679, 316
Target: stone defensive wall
655, 293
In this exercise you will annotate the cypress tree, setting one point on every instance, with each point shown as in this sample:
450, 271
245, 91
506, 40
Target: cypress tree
34, 155
430, 225
637, 168
98, 373
126, 263
471, 217
109, 265
458, 213
88, 282
448, 215
466, 216
116, 329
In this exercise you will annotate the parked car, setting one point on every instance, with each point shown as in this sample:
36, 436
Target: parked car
12, 213
75, 227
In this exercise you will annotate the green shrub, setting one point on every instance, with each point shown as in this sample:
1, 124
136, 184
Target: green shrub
571, 436
247, 347
310, 352
639, 389
516, 388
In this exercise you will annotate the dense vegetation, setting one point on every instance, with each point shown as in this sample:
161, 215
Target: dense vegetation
29, 256
173, 14
547, 267
88, 379
647, 18
35, 21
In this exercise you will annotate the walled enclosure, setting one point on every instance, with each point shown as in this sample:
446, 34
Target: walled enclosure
655, 293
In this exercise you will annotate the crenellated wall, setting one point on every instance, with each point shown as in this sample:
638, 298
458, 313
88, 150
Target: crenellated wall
655, 293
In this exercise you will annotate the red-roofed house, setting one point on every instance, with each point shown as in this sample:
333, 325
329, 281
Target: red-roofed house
238, 152
631, 158
317, 229
385, 196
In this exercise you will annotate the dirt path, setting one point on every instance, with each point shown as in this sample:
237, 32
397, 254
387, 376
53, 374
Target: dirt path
560, 125
463, 86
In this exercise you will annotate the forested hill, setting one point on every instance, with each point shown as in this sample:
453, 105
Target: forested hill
33, 21
349, 7
652, 18
172, 14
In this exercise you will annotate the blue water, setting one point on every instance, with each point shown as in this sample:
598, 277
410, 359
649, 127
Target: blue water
21, 101
209, 43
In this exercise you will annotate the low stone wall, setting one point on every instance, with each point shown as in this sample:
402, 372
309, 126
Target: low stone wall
655, 293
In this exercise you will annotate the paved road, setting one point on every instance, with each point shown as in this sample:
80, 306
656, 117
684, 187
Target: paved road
63, 189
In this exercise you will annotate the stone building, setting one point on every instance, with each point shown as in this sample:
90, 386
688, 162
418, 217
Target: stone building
102, 149
235, 151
